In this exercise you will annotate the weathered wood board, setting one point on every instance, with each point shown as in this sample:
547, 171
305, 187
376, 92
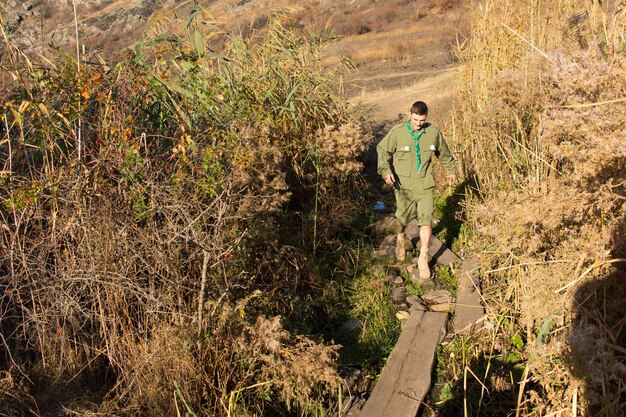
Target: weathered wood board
406, 378
469, 309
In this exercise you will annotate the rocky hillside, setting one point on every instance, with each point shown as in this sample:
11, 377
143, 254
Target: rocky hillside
370, 31
105, 25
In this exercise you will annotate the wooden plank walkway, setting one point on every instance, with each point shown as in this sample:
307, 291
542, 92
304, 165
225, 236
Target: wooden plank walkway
406, 378
468, 311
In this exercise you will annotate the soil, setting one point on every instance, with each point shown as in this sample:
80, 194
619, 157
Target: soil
390, 93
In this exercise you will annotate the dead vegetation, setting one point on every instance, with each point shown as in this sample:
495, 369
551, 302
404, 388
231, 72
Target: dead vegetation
541, 123
161, 218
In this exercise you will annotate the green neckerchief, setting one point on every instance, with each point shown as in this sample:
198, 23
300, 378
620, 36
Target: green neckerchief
417, 146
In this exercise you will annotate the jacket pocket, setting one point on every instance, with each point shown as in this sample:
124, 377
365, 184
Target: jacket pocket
428, 182
402, 161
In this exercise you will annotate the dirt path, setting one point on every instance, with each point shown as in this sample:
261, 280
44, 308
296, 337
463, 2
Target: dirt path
434, 86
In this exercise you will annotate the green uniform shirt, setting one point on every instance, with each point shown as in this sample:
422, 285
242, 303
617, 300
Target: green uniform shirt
414, 180
396, 154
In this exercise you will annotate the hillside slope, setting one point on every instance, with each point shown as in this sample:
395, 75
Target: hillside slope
392, 45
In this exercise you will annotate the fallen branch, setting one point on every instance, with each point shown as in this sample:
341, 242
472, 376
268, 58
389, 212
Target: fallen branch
587, 271
579, 106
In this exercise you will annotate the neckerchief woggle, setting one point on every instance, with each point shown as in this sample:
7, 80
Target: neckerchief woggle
417, 146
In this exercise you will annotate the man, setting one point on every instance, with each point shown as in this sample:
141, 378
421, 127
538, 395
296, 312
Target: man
405, 163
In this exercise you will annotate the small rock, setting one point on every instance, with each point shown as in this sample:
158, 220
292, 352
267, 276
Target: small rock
441, 308
381, 225
428, 284
416, 303
402, 315
438, 297
402, 307
398, 295
388, 241
392, 276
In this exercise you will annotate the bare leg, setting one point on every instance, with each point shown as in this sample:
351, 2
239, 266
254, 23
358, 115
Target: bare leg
400, 250
400, 227
425, 234
422, 262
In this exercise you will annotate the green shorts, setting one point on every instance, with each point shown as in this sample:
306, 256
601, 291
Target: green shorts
413, 204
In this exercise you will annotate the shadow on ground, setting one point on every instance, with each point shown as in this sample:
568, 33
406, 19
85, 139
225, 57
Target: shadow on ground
595, 354
598, 340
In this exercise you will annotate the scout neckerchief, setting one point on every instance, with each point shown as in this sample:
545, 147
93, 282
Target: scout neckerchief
417, 146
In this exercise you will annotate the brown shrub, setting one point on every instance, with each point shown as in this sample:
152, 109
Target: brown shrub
543, 137
154, 253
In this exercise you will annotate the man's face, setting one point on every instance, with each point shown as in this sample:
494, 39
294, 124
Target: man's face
417, 120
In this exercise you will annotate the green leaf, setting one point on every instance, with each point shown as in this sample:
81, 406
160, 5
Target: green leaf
543, 332
514, 356
198, 43
517, 341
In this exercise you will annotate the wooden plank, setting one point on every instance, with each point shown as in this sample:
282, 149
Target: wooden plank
414, 383
406, 378
469, 309
440, 253
383, 391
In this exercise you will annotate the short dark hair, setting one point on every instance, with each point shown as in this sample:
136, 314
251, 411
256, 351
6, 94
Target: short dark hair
419, 107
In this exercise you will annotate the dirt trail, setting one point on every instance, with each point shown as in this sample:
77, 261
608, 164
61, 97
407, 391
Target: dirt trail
434, 86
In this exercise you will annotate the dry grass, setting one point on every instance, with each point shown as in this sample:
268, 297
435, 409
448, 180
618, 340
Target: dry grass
156, 264
541, 126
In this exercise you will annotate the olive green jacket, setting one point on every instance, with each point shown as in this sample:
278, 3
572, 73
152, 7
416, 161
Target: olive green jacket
396, 154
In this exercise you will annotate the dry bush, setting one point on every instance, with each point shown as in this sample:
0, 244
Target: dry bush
336, 155
339, 150
349, 24
154, 214
542, 135
382, 17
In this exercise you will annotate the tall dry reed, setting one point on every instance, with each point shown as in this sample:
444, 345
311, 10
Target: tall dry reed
540, 122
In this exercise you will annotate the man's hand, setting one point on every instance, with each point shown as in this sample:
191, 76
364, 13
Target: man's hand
390, 180
451, 179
